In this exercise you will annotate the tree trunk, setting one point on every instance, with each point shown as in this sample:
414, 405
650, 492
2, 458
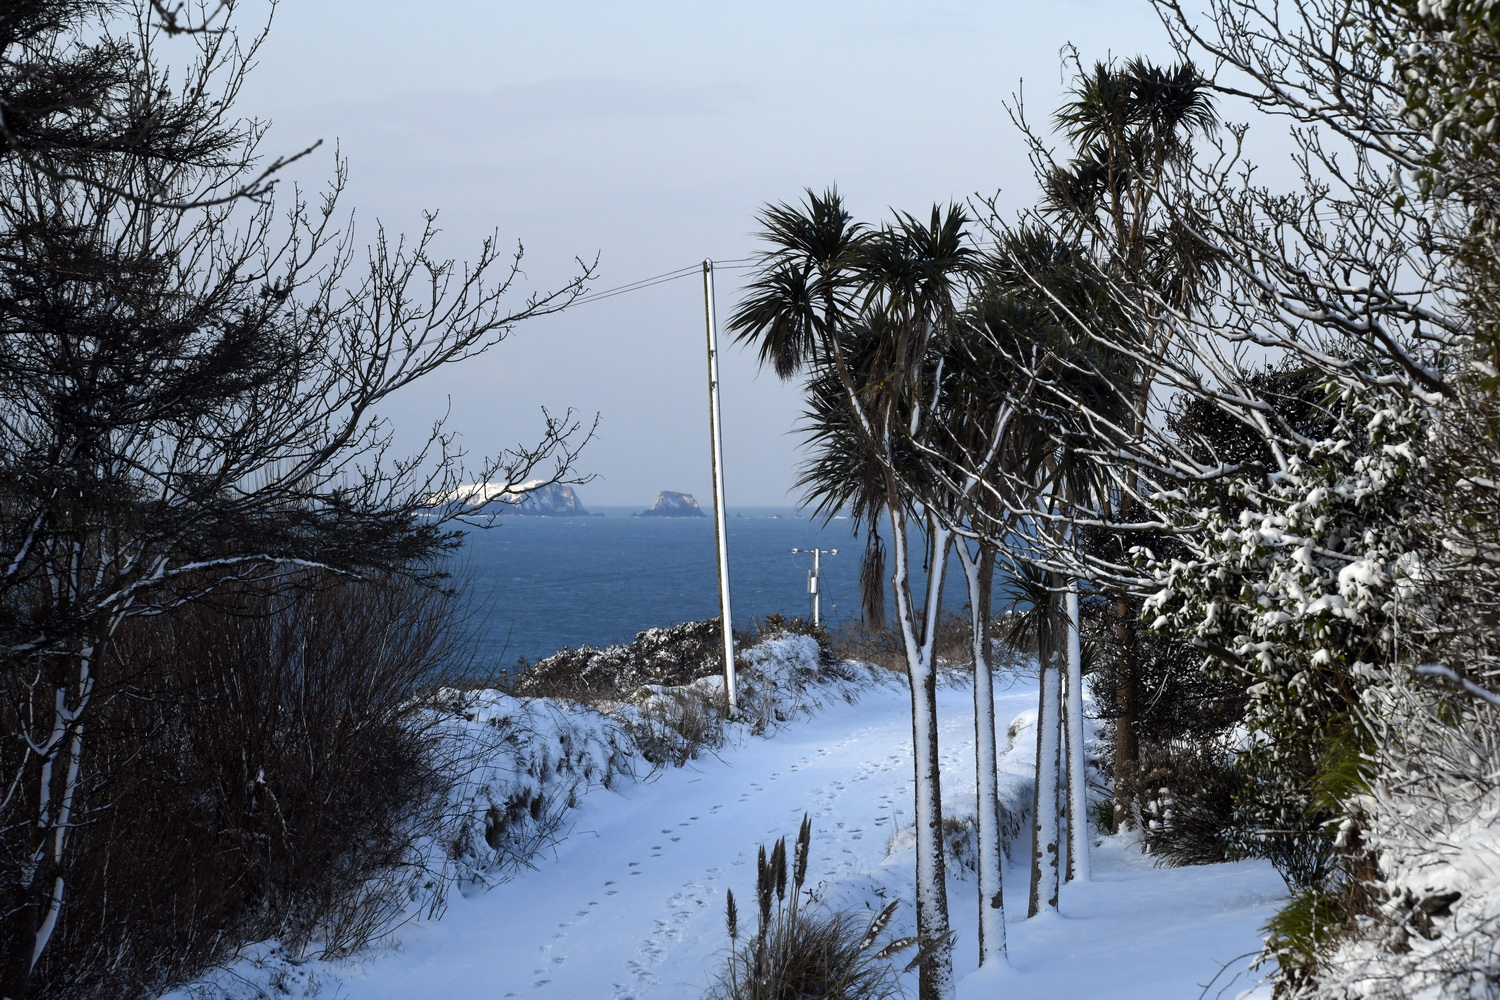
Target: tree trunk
1127, 699
935, 975
1045, 828
980, 574
1078, 825
52, 772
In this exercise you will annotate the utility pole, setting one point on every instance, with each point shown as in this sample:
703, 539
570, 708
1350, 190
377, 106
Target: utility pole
812, 581
717, 451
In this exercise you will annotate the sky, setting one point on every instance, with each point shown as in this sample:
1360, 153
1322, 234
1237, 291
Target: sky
648, 135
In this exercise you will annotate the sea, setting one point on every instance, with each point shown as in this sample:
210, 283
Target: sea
535, 585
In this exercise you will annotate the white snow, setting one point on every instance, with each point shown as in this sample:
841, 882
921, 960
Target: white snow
630, 904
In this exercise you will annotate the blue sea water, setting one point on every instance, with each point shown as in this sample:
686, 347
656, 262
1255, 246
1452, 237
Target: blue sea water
538, 584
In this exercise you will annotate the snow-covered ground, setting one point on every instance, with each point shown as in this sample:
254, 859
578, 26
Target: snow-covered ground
630, 904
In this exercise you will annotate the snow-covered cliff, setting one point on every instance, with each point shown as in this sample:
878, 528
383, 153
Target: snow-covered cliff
535, 499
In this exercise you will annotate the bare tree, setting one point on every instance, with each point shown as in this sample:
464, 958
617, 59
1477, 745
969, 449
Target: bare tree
189, 390
85, 79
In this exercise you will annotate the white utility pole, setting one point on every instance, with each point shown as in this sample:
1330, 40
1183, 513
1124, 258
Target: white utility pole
717, 451
812, 581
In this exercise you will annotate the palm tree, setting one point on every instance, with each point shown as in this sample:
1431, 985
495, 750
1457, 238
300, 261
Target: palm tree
861, 310
981, 390
1025, 440
1133, 128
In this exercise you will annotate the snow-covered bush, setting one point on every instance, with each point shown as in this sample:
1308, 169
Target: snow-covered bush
1291, 583
775, 625
669, 656
517, 765
1430, 925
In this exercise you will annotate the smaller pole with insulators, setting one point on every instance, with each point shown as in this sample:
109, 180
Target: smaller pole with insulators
812, 581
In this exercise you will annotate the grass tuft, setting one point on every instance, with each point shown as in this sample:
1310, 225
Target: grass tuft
800, 950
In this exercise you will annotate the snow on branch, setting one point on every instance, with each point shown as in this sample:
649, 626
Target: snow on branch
1447, 673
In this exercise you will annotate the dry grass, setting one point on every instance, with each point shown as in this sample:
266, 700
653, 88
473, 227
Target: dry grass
798, 950
884, 647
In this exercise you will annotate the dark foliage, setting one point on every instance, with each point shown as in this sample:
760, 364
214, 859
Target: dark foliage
1188, 793
260, 779
1181, 703
667, 656
1294, 399
189, 382
1182, 713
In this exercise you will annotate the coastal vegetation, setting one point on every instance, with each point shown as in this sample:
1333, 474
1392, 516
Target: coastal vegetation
1233, 446
1245, 432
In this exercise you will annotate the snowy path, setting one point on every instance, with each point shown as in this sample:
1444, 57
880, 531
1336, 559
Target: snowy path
630, 905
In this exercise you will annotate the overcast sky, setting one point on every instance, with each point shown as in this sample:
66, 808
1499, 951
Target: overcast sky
649, 134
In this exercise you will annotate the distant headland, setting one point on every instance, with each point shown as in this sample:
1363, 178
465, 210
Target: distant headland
530, 499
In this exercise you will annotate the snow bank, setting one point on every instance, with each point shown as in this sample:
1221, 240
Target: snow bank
1431, 817
630, 904
518, 768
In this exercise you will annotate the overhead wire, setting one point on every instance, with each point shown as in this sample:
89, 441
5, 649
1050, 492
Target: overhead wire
735, 264
634, 286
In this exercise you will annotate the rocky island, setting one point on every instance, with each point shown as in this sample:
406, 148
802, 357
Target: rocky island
673, 504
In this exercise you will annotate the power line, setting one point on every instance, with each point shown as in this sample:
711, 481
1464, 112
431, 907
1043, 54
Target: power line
737, 264
636, 286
